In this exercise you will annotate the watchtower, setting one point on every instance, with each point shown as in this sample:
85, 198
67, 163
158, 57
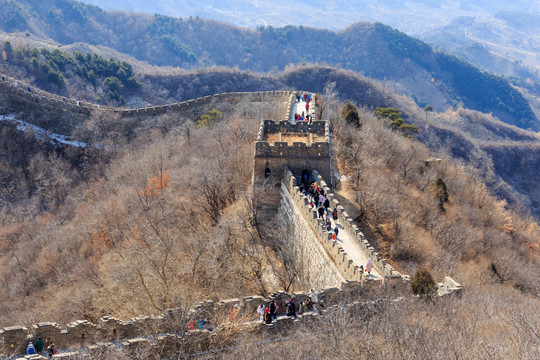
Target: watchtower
300, 146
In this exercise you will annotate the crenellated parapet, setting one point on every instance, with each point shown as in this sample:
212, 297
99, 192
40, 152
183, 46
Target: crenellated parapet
299, 146
175, 322
346, 265
380, 264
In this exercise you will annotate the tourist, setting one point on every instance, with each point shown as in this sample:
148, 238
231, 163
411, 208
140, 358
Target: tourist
301, 308
267, 316
321, 213
234, 312
291, 308
51, 350
261, 310
308, 304
273, 310
314, 296
326, 202
39, 345
335, 214
297, 97
369, 266
30, 350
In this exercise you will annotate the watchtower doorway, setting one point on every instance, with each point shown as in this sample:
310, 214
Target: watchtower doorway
306, 178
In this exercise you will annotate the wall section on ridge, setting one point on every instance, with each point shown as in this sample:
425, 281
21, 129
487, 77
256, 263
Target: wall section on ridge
316, 266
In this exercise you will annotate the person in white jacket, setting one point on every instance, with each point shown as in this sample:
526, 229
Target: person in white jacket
261, 310
314, 295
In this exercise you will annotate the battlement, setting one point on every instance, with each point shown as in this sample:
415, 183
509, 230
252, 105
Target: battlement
173, 321
300, 146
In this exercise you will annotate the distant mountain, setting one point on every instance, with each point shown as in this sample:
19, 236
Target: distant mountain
374, 50
507, 43
411, 17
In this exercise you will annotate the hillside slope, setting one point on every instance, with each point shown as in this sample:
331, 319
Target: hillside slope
164, 219
465, 135
374, 50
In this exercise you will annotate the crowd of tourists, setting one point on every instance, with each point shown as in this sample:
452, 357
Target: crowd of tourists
305, 115
39, 346
268, 314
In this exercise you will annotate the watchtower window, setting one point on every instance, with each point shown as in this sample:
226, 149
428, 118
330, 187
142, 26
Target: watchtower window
267, 172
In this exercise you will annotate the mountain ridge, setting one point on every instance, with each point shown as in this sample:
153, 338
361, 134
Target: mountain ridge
374, 50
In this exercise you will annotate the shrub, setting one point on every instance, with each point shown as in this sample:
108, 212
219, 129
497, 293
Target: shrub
349, 113
423, 285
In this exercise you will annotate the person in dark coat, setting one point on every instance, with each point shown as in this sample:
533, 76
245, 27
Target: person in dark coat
321, 212
51, 350
273, 310
39, 345
291, 308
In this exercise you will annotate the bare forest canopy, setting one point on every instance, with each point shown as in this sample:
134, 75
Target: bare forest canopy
466, 135
159, 215
374, 50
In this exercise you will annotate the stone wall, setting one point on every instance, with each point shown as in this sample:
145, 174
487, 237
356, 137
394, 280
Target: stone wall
174, 321
381, 265
342, 261
316, 266
21, 89
272, 127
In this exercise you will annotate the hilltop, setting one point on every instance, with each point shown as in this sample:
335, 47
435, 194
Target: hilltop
373, 49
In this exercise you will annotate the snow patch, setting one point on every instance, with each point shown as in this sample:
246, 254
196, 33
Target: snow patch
42, 134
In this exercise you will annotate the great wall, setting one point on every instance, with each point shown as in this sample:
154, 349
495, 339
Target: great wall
44, 98
284, 152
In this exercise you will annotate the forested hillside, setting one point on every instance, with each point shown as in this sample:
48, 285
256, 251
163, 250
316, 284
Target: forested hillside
49, 69
464, 134
374, 50
160, 215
